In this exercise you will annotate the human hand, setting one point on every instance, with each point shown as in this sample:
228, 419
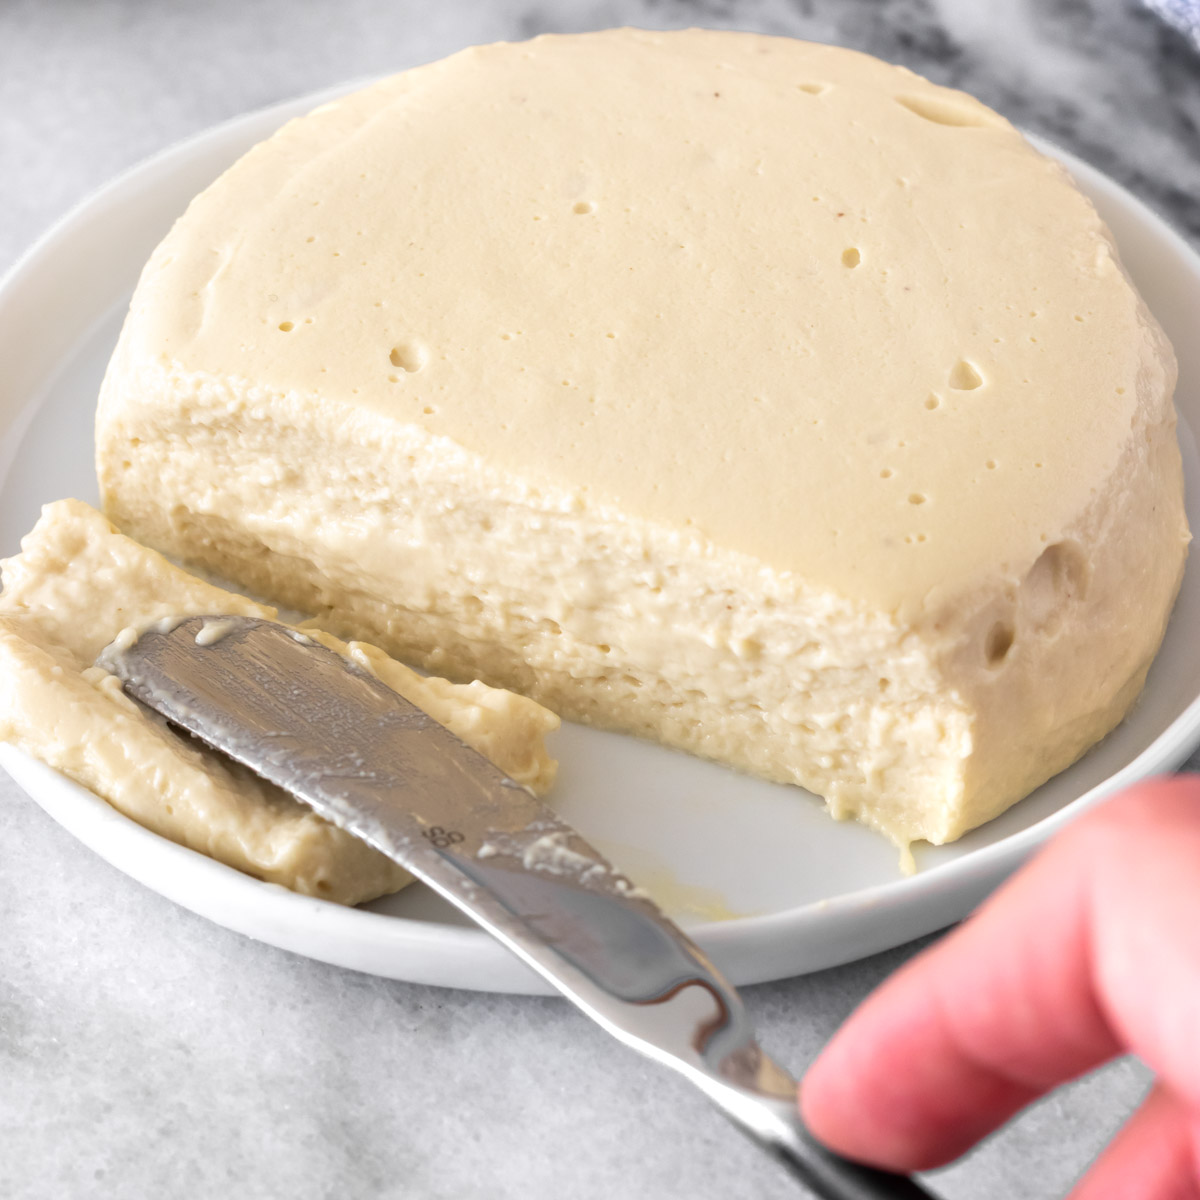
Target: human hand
1091, 951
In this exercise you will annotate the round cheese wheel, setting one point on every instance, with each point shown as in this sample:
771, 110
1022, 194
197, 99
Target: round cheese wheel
754, 395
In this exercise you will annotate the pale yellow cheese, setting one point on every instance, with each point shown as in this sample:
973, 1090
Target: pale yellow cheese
76, 585
755, 396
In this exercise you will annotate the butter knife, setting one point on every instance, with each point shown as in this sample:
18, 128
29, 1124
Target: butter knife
369, 761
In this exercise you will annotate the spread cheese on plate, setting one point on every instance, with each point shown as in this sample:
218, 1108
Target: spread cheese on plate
754, 396
75, 587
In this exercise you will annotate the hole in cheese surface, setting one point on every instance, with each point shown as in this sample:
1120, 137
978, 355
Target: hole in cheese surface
408, 356
999, 642
1057, 579
943, 111
964, 377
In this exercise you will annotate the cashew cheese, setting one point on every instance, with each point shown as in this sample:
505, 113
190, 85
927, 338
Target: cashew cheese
76, 586
753, 396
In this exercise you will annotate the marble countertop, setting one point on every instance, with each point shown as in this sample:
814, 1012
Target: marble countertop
144, 1052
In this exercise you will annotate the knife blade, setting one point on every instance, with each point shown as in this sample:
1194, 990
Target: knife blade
329, 732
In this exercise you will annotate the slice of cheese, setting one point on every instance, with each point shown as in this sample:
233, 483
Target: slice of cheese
754, 396
75, 586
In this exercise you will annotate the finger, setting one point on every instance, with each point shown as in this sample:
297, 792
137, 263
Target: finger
1153, 1157
1091, 949
963, 1037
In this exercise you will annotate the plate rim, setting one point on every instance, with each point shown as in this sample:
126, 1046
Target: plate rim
971, 875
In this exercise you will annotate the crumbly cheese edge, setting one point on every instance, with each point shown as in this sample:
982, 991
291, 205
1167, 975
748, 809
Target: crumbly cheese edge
432, 553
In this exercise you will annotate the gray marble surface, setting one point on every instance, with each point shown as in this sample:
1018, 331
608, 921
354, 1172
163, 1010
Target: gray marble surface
144, 1052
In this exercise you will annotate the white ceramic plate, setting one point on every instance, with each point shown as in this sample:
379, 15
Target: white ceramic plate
764, 880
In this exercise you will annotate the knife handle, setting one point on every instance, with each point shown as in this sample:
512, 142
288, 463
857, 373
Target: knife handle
832, 1177
768, 1114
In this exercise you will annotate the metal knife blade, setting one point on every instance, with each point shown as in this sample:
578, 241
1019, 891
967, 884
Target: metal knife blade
364, 758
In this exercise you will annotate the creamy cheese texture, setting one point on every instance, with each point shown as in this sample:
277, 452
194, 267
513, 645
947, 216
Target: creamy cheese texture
78, 585
751, 395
